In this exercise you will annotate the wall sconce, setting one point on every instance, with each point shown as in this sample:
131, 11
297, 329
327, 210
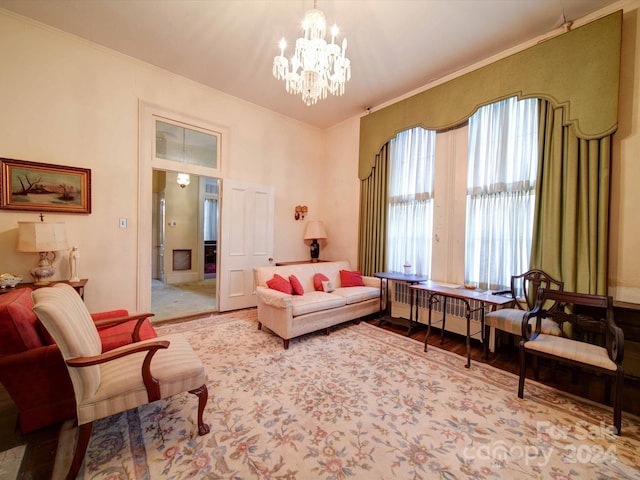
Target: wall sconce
301, 211
183, 179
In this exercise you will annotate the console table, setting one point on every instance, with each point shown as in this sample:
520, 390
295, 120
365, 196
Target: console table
78, 286
385, 312
486, 300
299, 262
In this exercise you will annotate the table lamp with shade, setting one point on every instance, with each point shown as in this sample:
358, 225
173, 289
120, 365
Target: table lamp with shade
314, 231
46, 239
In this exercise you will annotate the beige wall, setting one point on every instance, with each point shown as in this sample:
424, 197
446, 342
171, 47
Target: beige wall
341, 191
624, 252
67, 101
181, 230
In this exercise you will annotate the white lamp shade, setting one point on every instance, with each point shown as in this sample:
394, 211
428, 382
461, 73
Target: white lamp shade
314, 231
41, 237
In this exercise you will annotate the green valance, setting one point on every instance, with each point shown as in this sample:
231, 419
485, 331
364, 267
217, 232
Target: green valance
579, 70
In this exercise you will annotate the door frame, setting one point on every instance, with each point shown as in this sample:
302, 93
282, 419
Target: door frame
147, 113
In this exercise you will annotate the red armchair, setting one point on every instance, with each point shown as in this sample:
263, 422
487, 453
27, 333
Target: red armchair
31, 367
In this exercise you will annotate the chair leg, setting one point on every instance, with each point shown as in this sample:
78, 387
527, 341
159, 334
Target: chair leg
609, 395
259, 325
536, 370
523, 371
203, 395
84, 433
617, 401
487, 333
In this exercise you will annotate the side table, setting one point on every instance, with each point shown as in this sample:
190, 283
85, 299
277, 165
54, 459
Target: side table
299, 262
385, 313
484, 299
78, 286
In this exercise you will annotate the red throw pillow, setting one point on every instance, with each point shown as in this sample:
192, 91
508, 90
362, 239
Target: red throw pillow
318, 278
297, 287
280, 283
351, 279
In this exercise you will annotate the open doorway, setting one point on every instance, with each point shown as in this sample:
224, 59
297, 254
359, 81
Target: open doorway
184, 245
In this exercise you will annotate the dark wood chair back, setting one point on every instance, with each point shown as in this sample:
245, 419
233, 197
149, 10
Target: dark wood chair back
590, 318
524, 287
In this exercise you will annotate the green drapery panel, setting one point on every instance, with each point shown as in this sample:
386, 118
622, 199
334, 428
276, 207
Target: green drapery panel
373, 216
571, 220
577, 73
578, 70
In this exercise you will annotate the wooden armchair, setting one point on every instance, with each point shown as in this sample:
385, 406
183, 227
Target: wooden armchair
108, 383
32, 369
517, 320
594, 342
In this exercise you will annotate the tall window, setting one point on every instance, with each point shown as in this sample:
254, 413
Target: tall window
501, 182
410, 218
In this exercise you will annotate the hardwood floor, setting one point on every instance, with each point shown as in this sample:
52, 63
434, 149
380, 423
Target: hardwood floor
582, 384
41, 445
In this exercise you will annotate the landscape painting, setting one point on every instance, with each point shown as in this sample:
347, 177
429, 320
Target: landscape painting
43, 187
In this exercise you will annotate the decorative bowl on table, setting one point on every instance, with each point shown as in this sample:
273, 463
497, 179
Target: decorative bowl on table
9, 280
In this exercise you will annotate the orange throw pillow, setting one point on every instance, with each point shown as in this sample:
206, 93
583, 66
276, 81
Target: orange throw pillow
318, 278
280, 283
351, 279
297, 287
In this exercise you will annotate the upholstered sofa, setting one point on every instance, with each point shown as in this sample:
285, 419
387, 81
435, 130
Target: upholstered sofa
290, 315
31, 367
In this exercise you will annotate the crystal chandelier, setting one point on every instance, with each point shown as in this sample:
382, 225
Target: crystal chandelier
316, 67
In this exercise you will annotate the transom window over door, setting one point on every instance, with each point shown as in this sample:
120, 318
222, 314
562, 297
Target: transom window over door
410, 201
186, 144
501, 185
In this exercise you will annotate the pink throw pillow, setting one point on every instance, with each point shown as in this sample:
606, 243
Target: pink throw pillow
351, 279
297, 287
318, 278
280, 283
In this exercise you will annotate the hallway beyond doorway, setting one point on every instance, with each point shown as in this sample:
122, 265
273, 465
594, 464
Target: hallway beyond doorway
182, 299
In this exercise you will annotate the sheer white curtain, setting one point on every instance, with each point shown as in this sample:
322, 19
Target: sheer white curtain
210, 219
409, 224
501, 181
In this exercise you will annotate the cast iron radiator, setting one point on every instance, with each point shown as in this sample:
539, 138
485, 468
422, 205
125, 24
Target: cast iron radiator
401, 300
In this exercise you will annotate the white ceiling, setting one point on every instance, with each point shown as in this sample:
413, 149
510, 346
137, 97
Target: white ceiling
395, 46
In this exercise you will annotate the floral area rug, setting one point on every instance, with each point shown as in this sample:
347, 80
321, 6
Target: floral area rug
360, 403
10, 461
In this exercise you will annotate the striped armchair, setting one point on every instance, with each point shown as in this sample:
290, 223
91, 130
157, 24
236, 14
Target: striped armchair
126, 377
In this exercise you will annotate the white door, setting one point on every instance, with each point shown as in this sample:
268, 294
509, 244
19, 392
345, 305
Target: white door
246, 241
